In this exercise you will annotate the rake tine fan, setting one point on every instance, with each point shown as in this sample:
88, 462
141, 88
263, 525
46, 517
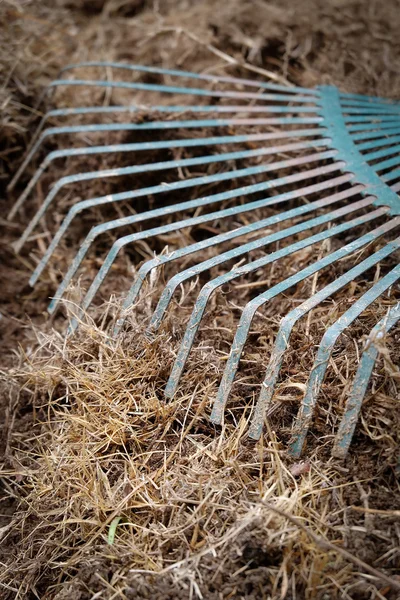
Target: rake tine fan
326, 163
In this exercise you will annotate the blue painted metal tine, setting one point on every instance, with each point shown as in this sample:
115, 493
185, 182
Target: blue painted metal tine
63, 112
369, 135
360, 97
365, 101
359, 388
157, 145
158, 261
355, 160
172, 164
396, 187
170, 89
371, 120
190, 75
210, 287
129, 239
253, 306
368, 156
395, 174
378, 143
367, 127
326, 346
288, 322
371, 111
161, 125
181, 184
386, 164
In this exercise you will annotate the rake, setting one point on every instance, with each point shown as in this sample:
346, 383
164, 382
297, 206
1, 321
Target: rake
342, 149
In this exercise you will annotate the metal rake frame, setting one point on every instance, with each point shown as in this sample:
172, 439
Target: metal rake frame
349, 141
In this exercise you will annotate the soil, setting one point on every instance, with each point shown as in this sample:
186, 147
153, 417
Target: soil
354, 45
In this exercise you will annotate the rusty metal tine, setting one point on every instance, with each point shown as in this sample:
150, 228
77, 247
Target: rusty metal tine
209, 288
368, 358
228, 236
170, 209
254, 305
326, 346
158, 166
288, 322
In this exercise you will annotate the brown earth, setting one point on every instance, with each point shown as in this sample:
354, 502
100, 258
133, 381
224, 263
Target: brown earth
85, 425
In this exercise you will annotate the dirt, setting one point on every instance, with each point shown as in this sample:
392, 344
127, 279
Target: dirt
354, 45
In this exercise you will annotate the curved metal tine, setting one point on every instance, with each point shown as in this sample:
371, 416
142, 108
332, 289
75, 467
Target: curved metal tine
370, 135
205, 293
252, 307
288, 322
86, 110
129, 239
157, 145
171, 164
164, 125
170, 89
173, 208
190, 75
367, 362
169, 290
326, 346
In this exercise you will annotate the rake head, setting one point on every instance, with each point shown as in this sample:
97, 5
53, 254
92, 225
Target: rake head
329, 161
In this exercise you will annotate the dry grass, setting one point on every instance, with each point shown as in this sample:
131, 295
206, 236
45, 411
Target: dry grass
109, 491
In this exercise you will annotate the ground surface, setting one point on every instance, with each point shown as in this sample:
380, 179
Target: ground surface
107, 491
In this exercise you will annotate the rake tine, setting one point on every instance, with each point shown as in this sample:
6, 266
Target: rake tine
170, 124
190, 75
386, 164
230, 235
368, 358
183, 276
253, 306
147, 146
172, 164
170, 209
381, 153
371, 111
211, 286
378, 143
371, 127
313, 94
349, 98
170, 89
369, 135
367, 119
303, 420
33, 147
288, 322
391, 176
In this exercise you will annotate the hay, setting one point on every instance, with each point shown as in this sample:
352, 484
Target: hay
109, 492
